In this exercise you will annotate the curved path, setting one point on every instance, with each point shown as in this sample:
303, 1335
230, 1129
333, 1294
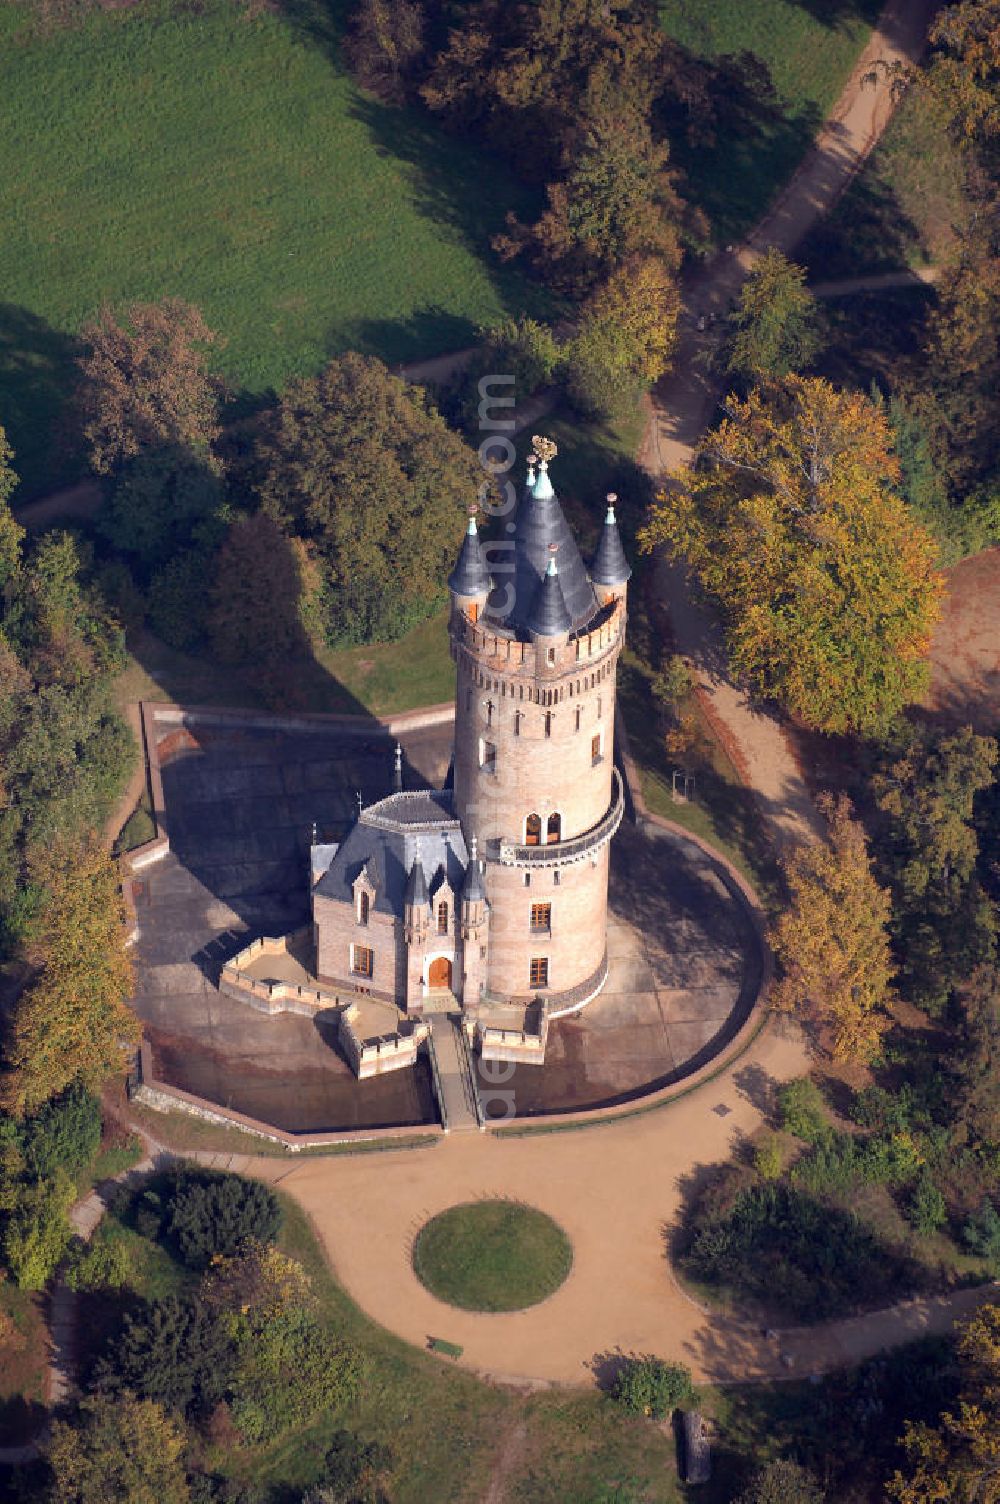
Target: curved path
684, 402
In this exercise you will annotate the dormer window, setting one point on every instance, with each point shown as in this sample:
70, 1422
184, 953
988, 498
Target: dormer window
442, 919
364, 906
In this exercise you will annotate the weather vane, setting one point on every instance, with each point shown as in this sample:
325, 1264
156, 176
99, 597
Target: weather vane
543, 448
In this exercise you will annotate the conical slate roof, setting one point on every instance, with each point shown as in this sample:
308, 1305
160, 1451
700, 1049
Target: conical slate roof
416, 895
540, 524
470, 575
611, 567
473, 888
549, 614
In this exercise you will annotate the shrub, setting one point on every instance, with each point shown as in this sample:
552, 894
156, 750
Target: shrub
782, 1482
105, 1264
981, 1235
65, 1134
174, 1351
926, 1206
353, 1469
888, 1111
802, 1109
215, 1213
648, 1386
289, 1367
769, 1158
37, 1230
674, 681
178, 600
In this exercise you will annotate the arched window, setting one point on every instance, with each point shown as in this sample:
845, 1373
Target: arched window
554, 832
442, 919
533, 830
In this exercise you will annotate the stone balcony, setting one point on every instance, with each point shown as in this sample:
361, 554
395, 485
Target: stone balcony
577, 848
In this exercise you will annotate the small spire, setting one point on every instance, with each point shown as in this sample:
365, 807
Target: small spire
397, 774
472, 848
612, 498
552, 568
611, 567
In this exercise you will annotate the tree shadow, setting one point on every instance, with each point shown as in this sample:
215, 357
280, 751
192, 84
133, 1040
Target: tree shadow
758, 1087
37, 373
425, 332
867, 233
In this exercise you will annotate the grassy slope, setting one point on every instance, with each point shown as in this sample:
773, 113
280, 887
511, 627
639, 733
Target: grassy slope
227, 160
809, 48
906, 208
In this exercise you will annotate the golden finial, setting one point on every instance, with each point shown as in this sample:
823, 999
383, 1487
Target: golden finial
544, 448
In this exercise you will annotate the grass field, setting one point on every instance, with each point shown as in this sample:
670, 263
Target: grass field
196, 151
808, 48
906, 207
492, 1256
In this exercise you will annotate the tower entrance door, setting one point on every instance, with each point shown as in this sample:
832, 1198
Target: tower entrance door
439, 972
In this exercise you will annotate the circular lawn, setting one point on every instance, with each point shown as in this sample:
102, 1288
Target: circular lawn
492, 1256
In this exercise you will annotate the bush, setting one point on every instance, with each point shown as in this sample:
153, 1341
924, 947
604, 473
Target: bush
289, 1367
178, 600
648, 1386
981, 1235
803, 1111
353, 1468
64, 1135
782, 1482
174, 1351
210, 1213
37, 1230
601, 376
105, 1264
769, 1158
926, 1207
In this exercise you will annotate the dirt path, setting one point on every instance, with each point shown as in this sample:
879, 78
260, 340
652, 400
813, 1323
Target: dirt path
914, 276
684, 402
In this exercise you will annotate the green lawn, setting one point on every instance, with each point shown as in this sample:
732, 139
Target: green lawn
492, 1256
227, 159
906, 208
808, 48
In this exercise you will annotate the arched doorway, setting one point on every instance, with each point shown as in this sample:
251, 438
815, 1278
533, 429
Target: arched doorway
439, 972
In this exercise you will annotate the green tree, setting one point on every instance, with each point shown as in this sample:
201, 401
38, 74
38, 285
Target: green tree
943, 924
828, 587
176, 1351
117, 1451
802, 1110
832, 942
648, 1386
65, 1134
163, 499
361, 465
36, 1230
384, 46
776, 324
72, 1023
213, 1213
260, 596
782, 1482
145, 383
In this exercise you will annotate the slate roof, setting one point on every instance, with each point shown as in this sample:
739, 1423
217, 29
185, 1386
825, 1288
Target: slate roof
611, 567
549, 614
540, 523
470, 575
386, 838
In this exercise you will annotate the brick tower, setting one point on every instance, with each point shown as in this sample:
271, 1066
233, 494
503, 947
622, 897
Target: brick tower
536, 649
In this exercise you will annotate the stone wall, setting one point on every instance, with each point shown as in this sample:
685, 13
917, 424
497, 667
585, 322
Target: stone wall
387, 1052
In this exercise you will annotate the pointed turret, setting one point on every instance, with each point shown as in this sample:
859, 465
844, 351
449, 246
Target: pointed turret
611, 572
541, 525
470, 579
473, 888
417, 896
549, 616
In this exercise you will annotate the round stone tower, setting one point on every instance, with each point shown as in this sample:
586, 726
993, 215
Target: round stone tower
536, 649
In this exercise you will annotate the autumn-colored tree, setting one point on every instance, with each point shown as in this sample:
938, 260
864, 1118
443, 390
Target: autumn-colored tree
616, 202
117, 1448
144, 383
384, 44
775, 322
72, 1022
641, 299
360, 464
964, 72
958, 1460
790, 519
943, 924
832, 942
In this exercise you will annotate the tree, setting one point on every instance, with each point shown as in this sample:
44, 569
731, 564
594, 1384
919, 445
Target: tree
648, 1386
354, 1471
214, 1213
832, 941
177, 1352
943, 923
782, 1482
973, 1079
72, 1023
641, 299
959, 1458
361, 465
162, 500
776, 321
384, 44
65, 1134
36, 1230
616, 202
964, 74
828, 587
117, 1449
260, 597
144, 383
